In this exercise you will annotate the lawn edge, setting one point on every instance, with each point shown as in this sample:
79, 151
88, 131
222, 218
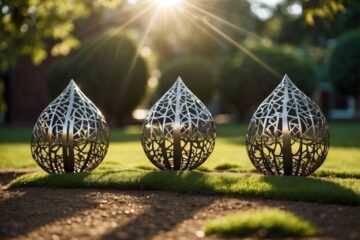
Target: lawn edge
327, 191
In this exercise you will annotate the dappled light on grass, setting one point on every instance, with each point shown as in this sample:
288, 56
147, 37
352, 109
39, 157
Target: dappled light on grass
261, 223
339, 191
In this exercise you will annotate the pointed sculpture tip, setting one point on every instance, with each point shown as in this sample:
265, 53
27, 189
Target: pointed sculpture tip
180, 82
72, 83
286, 79
179, 79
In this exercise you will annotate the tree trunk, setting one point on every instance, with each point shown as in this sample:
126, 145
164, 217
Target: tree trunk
7, 96
357, 106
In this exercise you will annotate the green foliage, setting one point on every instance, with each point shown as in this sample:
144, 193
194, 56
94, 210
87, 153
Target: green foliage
27, 26
320, 22
268, 222
338, 191
323, 9
344, 64
244, 82
106, 71
196, 72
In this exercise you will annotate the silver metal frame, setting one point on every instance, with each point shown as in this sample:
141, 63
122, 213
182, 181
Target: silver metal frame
288, 134
71, 134
179, 131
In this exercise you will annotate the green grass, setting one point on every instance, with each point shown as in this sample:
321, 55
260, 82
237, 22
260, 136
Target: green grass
338, 191
268, 222
125, 150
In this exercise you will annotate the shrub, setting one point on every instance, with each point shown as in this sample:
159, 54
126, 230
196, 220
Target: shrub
344, 64
103, 67
244, 83
196, 72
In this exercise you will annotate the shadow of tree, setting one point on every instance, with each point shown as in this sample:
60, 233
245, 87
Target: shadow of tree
29, 210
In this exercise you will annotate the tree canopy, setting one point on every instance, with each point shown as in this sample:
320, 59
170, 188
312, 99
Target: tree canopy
38, 28
344, 64
108, 70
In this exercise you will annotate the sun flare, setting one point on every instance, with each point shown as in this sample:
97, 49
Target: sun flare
168, 3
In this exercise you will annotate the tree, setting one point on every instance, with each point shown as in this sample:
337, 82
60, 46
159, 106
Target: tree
244, 83
29, 26
107, 70
317, 22
344, 64
196, 72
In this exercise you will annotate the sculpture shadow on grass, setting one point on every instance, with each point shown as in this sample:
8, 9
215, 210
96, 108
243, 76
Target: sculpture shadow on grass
244, 185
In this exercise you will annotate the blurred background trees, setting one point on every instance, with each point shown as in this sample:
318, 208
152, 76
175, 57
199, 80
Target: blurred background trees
107, 70
245, 85
344, 64
227, 52
39, 27
196, 72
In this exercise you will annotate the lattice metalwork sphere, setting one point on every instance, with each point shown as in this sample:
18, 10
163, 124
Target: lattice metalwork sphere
71, 134
179, 132
288, 134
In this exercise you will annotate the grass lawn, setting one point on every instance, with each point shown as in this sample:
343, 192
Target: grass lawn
268, 222
125, 150
331, 190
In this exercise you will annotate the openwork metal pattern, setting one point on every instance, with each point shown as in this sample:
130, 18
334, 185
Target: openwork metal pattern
288, 134
71, 134
179, 132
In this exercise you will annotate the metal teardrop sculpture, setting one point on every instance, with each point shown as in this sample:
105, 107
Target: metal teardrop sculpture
288, 134
179, 131
71, 134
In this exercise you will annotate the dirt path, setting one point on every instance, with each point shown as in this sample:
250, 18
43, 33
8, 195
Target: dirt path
45, 213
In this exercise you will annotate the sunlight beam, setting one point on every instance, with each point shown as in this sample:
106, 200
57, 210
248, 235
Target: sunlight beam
168, 3
224, 21
124, 25
243, 49
191, 19
133, 62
